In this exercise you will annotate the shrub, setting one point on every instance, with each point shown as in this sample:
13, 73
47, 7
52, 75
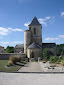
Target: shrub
46, 54
61, 57
55, 59
62, 62
14, 59
19, 59
10, 63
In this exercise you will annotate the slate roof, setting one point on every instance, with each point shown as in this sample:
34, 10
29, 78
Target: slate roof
34, 22
48, 45
33, 45
19, 46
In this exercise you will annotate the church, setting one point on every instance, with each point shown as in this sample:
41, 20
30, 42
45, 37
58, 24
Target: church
33, 40
33, 45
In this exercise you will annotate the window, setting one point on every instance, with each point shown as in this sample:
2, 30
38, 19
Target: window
30, 28
35, 31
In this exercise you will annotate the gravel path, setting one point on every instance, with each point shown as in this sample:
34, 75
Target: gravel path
44, 68
31, 67
31, 79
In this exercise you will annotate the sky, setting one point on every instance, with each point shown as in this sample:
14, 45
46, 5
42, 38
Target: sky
15, 15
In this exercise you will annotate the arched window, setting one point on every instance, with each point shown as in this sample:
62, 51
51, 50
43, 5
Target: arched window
35, 31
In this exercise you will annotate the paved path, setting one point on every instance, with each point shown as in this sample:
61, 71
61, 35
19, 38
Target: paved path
31, 79
31, 67
40, 67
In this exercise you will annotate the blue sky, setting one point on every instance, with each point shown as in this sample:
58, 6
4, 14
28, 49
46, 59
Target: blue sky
15, 15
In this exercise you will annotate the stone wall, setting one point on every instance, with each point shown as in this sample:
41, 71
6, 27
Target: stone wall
1, 50
36, 53
5, 56
17, 50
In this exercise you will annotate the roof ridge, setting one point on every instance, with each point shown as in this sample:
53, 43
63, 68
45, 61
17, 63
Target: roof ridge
37, 45
35, 21
33, 45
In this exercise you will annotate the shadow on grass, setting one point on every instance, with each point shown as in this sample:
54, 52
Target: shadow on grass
19, 64
23, 62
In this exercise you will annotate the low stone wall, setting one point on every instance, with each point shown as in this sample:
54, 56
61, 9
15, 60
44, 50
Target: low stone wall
5, 56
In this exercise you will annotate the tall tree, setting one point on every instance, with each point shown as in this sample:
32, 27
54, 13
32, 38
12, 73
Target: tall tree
9, 49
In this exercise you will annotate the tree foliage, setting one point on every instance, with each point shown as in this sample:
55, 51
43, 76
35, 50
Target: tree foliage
55, 59
46, 54
60, 49
9, 49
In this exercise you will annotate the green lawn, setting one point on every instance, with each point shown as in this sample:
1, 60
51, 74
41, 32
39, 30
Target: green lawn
14, 68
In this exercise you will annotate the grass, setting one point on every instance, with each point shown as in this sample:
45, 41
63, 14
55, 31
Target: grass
62, 62
14, 68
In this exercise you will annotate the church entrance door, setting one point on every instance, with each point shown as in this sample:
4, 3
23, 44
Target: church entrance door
32, 54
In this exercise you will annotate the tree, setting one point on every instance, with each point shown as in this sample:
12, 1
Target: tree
60, 49
46, 54
55, 59
9, 49
62, 53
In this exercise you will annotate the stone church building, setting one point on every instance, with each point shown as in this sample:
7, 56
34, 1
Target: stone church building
33, 40
33, 45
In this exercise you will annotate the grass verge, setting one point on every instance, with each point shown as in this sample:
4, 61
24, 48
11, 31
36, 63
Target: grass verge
14, 68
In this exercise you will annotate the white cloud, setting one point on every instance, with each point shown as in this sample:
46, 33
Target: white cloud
61, 36
26, 24
52, 20
46, 18
62, 13
14, 42
51, 38
5, 42
16, 29
43, 21
5, 31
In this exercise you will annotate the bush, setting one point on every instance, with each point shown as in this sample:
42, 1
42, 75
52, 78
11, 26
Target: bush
61, 57
10, 63
14, 59
46, 54
62, 62
9, 49
19, 59
55, 59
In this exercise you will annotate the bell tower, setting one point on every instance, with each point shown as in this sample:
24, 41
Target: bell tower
36, 31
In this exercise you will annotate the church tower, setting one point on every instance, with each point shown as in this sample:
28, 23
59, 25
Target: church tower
33, 39
36, 31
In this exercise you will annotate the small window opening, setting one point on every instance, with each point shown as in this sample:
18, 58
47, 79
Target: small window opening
35, 31
30, 28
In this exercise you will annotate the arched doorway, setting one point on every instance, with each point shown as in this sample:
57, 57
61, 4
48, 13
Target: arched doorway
32, 54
